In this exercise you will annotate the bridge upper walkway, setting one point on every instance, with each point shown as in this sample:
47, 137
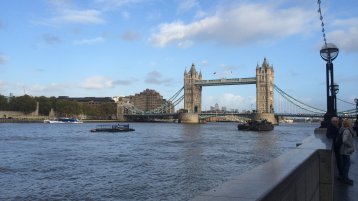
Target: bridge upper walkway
224, 81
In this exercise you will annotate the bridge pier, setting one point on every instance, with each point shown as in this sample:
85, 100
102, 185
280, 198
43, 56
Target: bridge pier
192, 118
261, 116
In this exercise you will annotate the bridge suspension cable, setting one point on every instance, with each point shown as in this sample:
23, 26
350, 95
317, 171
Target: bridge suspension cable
346, 101
298, 103
176, 94
347, 112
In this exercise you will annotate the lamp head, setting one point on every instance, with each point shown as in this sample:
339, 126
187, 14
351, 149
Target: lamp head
329, 52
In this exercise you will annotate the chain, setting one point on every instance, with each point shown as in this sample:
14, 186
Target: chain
322, 24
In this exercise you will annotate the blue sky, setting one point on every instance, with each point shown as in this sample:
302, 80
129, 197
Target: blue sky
121, 47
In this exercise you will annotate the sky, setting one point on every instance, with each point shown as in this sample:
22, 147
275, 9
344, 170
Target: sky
81, 48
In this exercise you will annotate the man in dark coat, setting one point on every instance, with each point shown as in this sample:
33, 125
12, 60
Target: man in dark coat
333, 133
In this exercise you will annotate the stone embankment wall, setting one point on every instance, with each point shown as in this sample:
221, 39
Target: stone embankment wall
12, 116
304, 173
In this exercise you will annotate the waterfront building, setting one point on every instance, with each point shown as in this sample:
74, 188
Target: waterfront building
150, 100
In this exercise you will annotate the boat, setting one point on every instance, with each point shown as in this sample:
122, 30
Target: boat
262, 125
288, 121
63, 120
112, 128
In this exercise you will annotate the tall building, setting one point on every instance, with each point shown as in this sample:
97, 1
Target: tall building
151, 101
264, 88
192, 93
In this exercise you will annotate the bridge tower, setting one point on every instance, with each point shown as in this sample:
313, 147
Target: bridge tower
192, 93
264, 88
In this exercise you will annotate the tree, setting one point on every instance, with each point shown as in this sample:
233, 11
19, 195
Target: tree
4, 105
45, 105
25, 104
68, 108
107, 110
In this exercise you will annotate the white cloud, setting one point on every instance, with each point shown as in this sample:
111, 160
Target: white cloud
186, 5
90, 41
231, 101
51, 39
3, 58
130, 36
346, 22
2, 84
345, 35
155, 77
51, 89
64, 12
204, 63
125, 15
78, 16
240, 25
115, 4
97, 82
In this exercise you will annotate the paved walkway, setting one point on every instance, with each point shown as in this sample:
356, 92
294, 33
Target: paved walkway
343, 192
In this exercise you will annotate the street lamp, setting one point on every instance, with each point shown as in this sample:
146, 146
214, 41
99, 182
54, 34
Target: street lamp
356, 123
329, 52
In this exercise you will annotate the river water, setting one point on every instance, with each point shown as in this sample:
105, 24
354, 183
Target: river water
158, 161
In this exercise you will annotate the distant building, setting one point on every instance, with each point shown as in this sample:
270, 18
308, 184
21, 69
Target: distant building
151, 101
217, 106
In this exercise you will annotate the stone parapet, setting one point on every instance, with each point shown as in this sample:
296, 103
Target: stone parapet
304, 173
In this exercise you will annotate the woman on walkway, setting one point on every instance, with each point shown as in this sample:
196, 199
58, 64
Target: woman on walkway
347, 148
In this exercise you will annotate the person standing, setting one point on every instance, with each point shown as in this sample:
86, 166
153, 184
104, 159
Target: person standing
332, 133
346, 149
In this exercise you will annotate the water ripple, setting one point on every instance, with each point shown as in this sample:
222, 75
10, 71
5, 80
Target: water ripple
155, 162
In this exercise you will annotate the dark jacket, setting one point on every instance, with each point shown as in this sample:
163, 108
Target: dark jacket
332, 132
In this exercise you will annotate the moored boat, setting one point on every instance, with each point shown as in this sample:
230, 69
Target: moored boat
112, 128
262, 125
63, 120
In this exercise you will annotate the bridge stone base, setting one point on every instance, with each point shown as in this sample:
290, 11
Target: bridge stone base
192, 118
261, 116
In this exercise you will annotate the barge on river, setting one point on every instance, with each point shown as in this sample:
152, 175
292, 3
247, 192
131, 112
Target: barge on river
112, 128
262, 125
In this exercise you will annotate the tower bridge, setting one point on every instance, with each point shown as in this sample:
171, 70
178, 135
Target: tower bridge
264, 81
284, 105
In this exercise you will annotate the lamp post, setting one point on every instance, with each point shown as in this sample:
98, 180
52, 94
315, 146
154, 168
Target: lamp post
356, 101
328, 53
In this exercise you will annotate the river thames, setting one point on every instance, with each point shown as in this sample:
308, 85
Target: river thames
158, 161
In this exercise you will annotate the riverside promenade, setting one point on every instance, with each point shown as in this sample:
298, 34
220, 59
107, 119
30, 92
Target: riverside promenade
306, 173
